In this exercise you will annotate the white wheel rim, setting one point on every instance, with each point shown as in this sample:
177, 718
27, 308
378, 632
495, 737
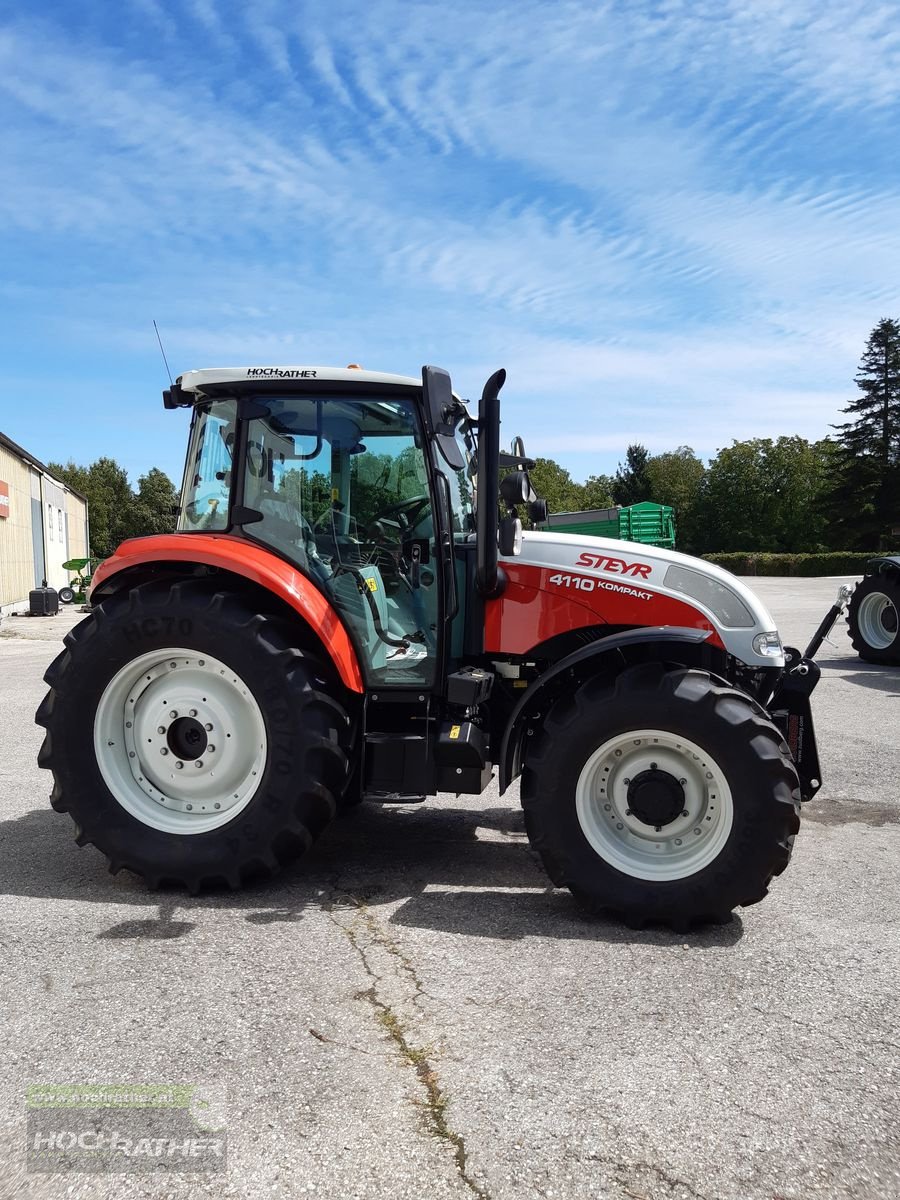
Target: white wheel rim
876, 613
149, 713
683, 845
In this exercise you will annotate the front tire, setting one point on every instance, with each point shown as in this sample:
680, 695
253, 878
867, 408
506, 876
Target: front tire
188, 740
874, 619
661, 796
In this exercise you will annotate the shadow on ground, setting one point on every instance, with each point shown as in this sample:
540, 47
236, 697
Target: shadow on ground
869, 675
452, 869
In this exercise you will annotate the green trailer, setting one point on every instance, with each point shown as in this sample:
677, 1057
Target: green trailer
652, 524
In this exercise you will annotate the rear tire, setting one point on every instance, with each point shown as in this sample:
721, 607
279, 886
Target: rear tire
145, 684
675, 747
874, 619
66, 595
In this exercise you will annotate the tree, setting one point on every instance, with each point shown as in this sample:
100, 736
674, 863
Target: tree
554, 484
765, 495
114, 511
153, 510
596, 492
676, 478
631, 484
864, 493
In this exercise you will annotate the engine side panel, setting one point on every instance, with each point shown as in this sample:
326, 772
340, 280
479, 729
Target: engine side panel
539, 603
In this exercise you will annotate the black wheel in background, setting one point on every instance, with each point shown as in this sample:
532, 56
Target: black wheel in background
874, 619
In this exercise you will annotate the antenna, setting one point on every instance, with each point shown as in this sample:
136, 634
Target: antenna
163, 353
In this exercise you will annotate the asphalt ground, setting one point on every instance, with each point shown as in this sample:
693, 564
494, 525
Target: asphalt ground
413, 1011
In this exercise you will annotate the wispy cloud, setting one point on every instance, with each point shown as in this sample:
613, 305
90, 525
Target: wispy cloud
679, 212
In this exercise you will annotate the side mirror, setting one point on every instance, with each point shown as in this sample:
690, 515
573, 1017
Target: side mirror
509, 536
439, 404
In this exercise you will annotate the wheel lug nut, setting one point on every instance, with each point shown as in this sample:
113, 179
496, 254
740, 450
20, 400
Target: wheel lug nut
217, 805
684, 812
211, 748
628, 812
173, 714
160, 729
653, 766
208, 728
164, 750
189, 807
626, 781
127, 724
199, 762
193, 712
179, 765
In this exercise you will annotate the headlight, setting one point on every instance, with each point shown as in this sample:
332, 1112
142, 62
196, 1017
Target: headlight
768, 645
728, 607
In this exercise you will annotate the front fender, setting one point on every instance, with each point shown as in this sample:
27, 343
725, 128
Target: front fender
230, 553
510, 747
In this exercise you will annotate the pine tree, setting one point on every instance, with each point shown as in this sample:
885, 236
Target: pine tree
864, 501
631, 483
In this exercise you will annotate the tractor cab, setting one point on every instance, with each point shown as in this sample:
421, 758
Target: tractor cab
354, 484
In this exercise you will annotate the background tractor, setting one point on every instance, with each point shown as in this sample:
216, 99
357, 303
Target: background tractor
872, 615
349, 610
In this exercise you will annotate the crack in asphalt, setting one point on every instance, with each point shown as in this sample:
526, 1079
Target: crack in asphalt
418, 1057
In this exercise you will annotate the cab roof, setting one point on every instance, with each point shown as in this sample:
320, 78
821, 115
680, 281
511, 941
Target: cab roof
198, 381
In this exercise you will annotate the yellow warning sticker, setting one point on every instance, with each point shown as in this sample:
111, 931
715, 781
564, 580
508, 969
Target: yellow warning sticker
372, 585
454, 731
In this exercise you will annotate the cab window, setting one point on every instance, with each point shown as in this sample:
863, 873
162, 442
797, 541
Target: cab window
341, 486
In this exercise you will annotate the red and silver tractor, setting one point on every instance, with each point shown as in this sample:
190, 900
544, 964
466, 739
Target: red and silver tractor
350, 610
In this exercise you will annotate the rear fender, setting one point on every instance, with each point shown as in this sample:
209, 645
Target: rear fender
582, 662
226, 552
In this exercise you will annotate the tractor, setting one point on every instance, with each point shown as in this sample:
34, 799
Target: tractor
350, 610
872, 612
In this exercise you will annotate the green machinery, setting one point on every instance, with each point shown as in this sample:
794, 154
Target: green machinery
652, 524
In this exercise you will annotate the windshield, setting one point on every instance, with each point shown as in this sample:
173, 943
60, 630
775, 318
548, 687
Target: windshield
207, 479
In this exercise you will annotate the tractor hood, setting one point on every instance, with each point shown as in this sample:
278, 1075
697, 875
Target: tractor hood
611, 575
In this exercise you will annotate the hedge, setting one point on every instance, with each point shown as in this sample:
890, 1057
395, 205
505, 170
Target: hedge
842, 562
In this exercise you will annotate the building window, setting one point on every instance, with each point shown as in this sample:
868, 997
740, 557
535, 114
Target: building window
50, 521
61, 538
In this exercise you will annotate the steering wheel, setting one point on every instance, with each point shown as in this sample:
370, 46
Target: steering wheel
409, 511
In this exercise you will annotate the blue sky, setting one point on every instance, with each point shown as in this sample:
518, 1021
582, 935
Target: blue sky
673, 222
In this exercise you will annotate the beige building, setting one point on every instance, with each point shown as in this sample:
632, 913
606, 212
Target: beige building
43, 523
